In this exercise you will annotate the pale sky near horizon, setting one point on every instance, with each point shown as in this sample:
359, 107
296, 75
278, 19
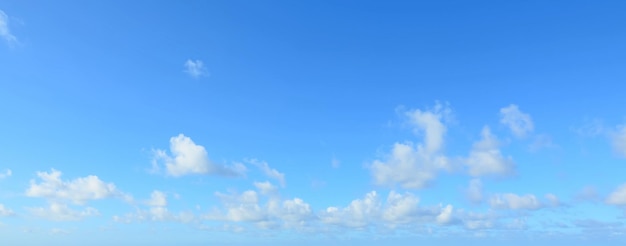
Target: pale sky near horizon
312, 122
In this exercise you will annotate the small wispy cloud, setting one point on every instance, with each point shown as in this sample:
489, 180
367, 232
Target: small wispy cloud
335, 163
519, 122
5, 32
617, 197
268, 171
616, 134
4, 211
6, 174
591, 128
618, 139
475, 191
195, 68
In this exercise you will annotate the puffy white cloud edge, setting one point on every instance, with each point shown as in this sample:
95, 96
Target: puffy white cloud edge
195, 68
188, 158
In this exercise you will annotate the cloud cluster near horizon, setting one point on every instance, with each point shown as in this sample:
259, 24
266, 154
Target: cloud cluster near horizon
408, 166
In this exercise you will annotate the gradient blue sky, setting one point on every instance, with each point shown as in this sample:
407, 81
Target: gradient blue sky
310, 122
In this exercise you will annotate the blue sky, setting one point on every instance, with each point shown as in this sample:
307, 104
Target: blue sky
309, 122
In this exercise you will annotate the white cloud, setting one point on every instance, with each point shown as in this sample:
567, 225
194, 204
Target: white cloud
414, 166
242, 207
485, 157
247, 213
360, 213
618, 139
475, 191
275, 213
195, 68
445, 216
520, 123
6, 174
399, 209
266, 188
295, 212
189, 158
430, 122
78, 191
515, 202
4, 211
408, 165
157, 199
267, 170
61, 212
618, 196
247, 197
5, 32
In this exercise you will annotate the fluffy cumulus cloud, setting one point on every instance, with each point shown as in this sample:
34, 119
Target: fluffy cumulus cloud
618, 139
62, 212
429, 123
520, 123
360, 213
516, 202
266, 188
157, 199
268, 171
398, 209
273, 214
195, 68
189, 158
7, 173
485, 157
5, 32
295, 213
618, 196
411, 165
78, 191
445, 216
241, 207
